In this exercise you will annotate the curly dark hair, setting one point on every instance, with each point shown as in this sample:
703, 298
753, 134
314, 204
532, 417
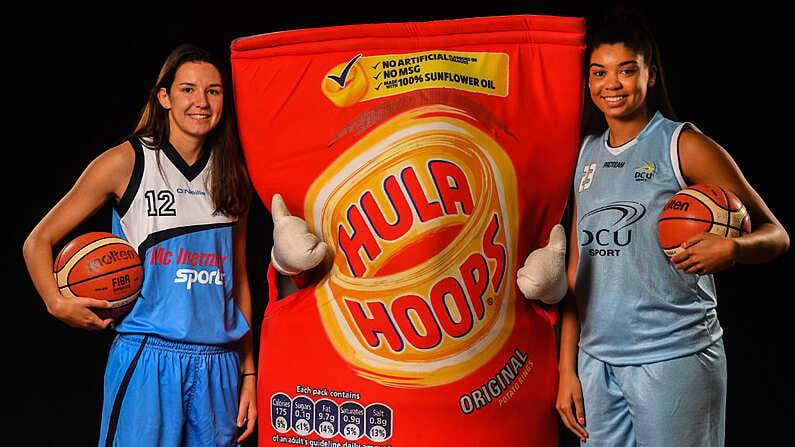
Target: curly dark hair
627, 26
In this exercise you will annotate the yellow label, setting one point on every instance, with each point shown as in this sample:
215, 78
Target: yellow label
363, 78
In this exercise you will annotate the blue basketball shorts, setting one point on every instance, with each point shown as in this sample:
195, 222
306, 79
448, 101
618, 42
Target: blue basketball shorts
677, 402
160, 393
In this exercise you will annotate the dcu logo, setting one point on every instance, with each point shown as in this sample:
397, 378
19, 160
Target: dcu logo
645, 172
606, 229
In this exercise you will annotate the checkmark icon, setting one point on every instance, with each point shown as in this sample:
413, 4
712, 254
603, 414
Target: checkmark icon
340, 80
378, 75
379, 86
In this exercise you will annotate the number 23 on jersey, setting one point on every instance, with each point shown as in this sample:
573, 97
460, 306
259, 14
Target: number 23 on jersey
587, 177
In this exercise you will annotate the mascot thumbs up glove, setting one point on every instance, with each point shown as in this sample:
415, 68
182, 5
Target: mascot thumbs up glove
295, 248
543, 276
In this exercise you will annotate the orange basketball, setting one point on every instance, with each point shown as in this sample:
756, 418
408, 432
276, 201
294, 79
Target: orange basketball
102, 266
701, 209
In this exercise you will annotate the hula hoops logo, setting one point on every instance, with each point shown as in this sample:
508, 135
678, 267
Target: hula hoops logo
419, 292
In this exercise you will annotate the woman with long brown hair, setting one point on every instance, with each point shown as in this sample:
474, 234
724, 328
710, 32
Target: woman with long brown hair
181, 369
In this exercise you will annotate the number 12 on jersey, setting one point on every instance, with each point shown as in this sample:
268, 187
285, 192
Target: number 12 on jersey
161, 204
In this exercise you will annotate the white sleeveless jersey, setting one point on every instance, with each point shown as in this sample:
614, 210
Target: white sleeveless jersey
167, 213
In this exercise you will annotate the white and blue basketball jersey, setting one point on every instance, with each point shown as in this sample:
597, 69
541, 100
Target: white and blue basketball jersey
186, 249
634, 306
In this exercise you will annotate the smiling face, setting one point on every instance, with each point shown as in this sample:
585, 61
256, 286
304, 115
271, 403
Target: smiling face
194, 101
618, 79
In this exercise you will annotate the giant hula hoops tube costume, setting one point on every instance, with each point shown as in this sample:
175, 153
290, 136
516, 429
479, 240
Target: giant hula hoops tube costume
432, 157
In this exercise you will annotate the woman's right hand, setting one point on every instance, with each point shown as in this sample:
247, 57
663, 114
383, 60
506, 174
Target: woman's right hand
106, 178
77, 313
570, 404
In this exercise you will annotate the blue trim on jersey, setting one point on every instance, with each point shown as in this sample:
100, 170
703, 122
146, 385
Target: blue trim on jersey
115, 224
160, 236
135, 179
189, 171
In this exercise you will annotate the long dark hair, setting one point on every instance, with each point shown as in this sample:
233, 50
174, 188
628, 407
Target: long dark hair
629, 27
231, 187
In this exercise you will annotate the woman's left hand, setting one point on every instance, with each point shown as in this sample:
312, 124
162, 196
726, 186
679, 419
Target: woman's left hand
705, 254
247, 412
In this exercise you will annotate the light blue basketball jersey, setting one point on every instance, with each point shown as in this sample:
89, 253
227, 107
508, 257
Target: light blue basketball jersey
634, 306
186, 249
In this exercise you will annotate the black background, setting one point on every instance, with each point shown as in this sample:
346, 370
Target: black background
77, 76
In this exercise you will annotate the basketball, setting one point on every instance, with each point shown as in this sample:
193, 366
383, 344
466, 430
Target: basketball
102, 266
701, 209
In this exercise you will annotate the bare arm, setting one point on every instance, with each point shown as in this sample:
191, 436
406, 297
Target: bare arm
103, 179
569, 401
247, 411
570, 325
704, 161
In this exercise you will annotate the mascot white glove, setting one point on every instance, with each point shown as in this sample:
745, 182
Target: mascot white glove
295, 248
543, 276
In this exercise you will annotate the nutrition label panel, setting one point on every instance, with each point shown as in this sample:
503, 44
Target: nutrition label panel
327, 418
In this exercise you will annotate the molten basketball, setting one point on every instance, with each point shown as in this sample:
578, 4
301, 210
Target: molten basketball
102, 266
701, 209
